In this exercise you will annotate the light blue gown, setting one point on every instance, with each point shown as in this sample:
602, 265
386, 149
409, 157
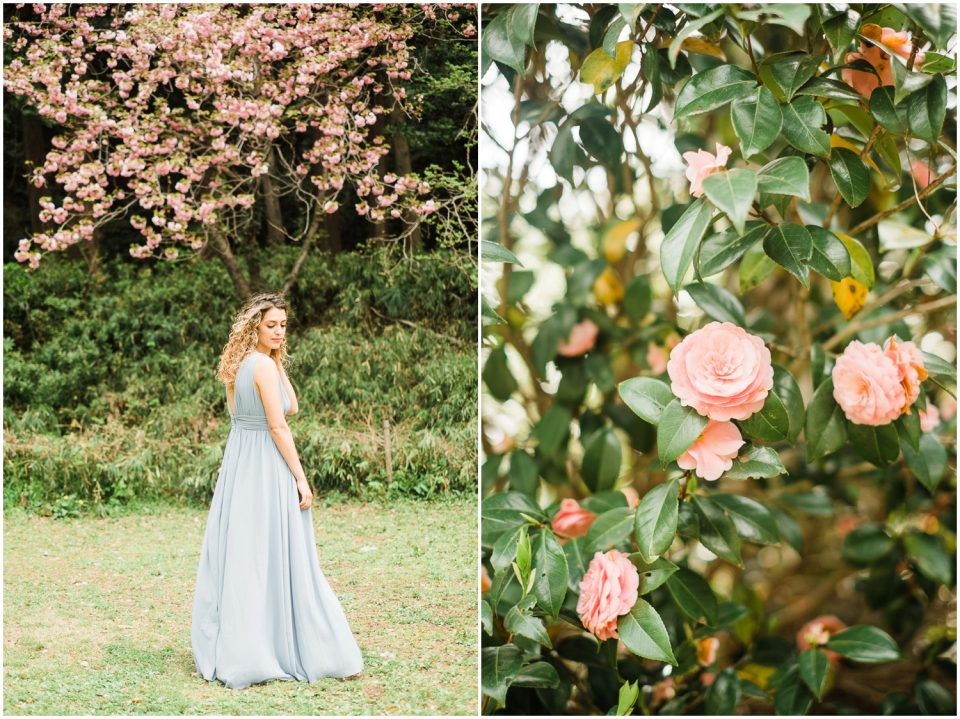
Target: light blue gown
262, 608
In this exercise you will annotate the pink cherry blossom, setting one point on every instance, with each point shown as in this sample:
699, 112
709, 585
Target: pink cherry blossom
608, 590
722, 371
701, 163
867, 386
714, 450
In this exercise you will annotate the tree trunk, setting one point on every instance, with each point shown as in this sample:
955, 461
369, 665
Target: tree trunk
404, 166
333, 239
35, 153
378, 231
271, 202
222, 247
308, 239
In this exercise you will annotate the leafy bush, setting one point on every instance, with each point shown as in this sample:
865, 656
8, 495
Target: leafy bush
719, 471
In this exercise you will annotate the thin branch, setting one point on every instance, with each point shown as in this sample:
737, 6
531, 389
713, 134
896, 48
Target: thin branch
928, 190
855, 327
884, 299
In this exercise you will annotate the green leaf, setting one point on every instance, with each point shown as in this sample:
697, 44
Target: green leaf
790, 246
497, 376
714, 88
878, 445
771, 423
552, 430
523, 21
540, 675
938, 20
720, 251
755, 463
793, 697
757, 121
732, 192
825, 427
930, 556
650, 69
788, 391
790, 15
717, 532
723, 695
629, 692
908, 427
655, 524
637, 298
679, 428
829, 257
655, 574
792, 71
785, 176
643, 633
830, 89
680, 242
565, 152
905, 82
691, 27
717, 303
755, 267
550, 587
486, 617
498, 667
753, 521
841, 29
861, 266
933, 699
866, 545
863, 643
495, 252
802, 120
889, 116
693, 596
601, 70
602, 141
813, 665
646, 396
927, 109
518, 622
815, 502
928, 463
502, 44
503, 512
577, 562
849, 175
609, 529
940, 266
523, 474
601, 460
938, 367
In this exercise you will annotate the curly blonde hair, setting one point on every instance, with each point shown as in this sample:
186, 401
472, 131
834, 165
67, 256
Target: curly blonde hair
245, 332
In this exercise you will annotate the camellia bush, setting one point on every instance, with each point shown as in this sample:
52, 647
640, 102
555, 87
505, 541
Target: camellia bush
719, 410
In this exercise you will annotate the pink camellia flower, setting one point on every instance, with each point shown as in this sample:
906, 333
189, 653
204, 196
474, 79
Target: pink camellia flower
818, 631
922, 173
582, 338
701, 163
929, 418
721, 371
714, 450
866, 385
909, 362
707, 651
607, 591
572, 520
633, 499
948, 408
657, 358
866, 82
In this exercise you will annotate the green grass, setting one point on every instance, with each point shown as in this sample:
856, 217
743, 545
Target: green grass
97, 614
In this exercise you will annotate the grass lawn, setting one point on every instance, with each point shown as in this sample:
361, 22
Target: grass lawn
96, 614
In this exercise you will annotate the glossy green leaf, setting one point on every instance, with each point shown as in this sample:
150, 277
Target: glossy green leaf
577, 562
829, 89
861, 266
928, 462
550, 586
553, 429
793, 696
785, 176
867, 544
863, 643
927, 109
756, 463
714, 88
771, 423
503, 512
565, 152
908, 427
829, 257
688, 29
791, 72
790, 246
717, 303
498, 667
878, 445
890, 117
602, 141
825, 427
815, 502
679, 427
655, 574
717, 532
933, 699
814, 665
629, 692
802, 120
938, 20
720, 251
755, 267
931, 556
655, 525
495, 252
519, 622
723, 695
905, 82
540, 675
841, 29
850, 175
501, 44
646, 396
732, 192
757, 121
643, 633
609, 529
680, 242
937, 366
753, 521
693, 596
601, 460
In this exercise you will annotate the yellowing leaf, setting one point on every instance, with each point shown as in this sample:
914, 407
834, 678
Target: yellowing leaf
860, 261
837, 141
758, 674
849, 295
615, 235
601, 70
701, 46
608, 289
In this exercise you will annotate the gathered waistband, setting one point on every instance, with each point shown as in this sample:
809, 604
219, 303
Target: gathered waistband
251, 421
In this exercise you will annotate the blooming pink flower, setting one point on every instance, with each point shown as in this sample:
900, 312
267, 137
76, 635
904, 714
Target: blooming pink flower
948, 408
909, 362
657, 358
929, 418
818, 631
721, 371
863, 81
707, 651
582, 338
572, 520
714, 450
866, 385
899, 44
633, 499
922, 173
701, 163
607, 591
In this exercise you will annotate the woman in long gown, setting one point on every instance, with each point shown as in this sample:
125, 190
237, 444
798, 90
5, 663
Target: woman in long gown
262, 608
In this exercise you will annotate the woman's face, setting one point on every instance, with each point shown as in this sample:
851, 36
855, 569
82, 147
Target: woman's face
273, 328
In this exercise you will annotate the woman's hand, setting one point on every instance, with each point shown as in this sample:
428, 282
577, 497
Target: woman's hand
306, 496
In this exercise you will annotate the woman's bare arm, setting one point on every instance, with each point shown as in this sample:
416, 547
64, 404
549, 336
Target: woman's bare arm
294, 406
266, 376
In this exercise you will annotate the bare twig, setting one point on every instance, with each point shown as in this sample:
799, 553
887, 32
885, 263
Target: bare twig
855, 327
